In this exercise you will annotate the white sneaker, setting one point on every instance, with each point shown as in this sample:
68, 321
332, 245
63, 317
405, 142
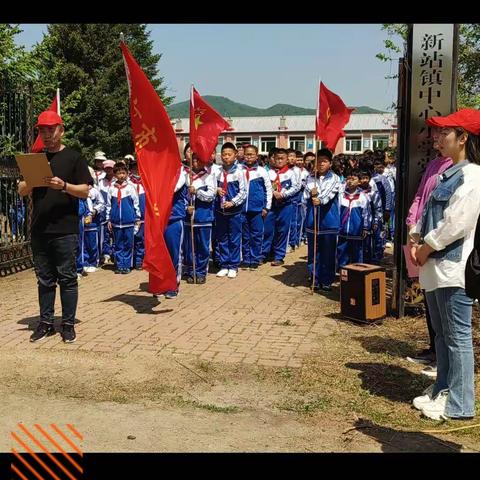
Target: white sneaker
90, 269
79, 276
426, 397
430, 371
435, 409
232, 274
223, 272
106, 258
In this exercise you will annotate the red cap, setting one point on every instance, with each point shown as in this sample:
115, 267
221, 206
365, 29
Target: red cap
467, 118
49, 117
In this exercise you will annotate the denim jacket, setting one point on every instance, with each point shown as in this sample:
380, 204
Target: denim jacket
439, 199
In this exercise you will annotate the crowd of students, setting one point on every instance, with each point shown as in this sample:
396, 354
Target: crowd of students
248, 210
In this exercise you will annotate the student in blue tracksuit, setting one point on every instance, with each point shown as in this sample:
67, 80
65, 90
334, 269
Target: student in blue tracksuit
96, 207
139, 233
278, 220
355, 221
293, 240
321, 198
386, 195
202, 189
174, 233
231, 194
83, 212
370, 190
301, 237
255, 209
106, 237
123, 213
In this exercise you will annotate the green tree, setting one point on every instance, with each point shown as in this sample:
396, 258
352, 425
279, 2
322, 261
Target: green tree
468, 59
16, 66
85, 62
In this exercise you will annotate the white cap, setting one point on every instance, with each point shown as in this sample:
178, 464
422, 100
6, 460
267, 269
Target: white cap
100, 155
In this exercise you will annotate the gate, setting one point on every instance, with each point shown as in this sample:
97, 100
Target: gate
15, 212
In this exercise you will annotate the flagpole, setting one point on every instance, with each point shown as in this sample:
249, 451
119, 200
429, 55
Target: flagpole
315, 232
58, 101
192, 204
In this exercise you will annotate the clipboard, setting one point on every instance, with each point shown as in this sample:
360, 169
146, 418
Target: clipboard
34, 167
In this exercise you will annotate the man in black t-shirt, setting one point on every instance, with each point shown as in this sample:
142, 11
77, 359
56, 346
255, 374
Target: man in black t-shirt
54, 235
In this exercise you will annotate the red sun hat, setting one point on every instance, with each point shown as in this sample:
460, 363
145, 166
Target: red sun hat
467, 118
49, 117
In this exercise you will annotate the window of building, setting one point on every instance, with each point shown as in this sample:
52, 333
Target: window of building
353, 143
267, 143
297, 143
380, 142
242, 140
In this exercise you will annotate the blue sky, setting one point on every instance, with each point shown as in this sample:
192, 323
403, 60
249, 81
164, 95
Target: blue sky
265, 64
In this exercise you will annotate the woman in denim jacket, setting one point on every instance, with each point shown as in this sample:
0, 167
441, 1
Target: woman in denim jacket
444, 239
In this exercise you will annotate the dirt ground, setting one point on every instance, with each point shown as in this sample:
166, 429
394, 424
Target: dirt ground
352, 395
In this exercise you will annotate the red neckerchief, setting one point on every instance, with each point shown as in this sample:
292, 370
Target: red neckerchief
198, 175
98, 173
225, 183
119, 193
350, 197
277, 180
137, 183
249, 169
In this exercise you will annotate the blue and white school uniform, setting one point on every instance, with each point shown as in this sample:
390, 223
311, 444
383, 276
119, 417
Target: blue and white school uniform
293, 239
83, 212
96, 206
139, 234
228, 222
204, 182
174, 231
259, 198
123, 211
106, 237
327, 216
302, 211
279, 218
355, 218
385, 190
377, 220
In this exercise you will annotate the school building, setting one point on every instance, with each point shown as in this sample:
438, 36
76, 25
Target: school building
363, 131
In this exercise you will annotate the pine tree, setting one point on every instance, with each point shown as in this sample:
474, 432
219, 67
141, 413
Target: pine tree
85, 62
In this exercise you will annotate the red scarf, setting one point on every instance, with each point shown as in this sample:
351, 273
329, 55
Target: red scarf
137, 183
119, 193
350, 197
198, 175
248, 170
277, 180
225, 183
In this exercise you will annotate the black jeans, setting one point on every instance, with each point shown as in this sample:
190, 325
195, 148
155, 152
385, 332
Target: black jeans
54, 257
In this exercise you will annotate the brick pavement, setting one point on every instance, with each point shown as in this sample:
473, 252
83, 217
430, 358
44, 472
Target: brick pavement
265, 317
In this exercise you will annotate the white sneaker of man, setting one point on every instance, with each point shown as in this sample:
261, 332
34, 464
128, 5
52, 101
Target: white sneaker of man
232, 273
90, 269
426, 397
435, 409
430, 371
223, 272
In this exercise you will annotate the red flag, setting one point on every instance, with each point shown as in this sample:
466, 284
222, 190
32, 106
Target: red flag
205, 126
159, 164
332, 116
38, 146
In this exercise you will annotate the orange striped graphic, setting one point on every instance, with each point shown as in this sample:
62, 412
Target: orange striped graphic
61, 450
27, 465
29, 459
66, 439
74, 431
18, 472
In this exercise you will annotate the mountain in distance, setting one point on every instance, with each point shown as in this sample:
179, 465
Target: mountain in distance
229, 108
